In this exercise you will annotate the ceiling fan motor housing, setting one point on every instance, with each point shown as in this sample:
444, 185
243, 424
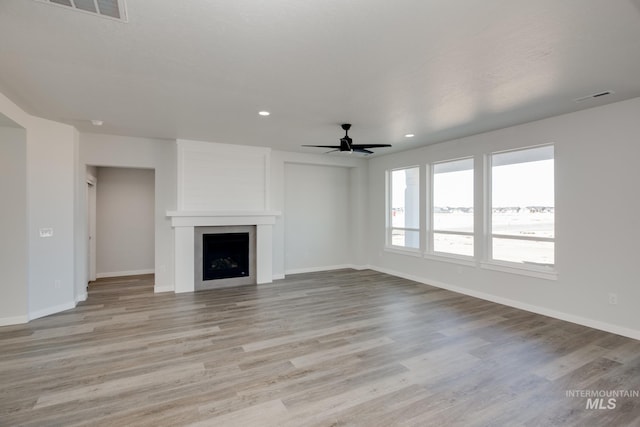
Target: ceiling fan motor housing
345, 144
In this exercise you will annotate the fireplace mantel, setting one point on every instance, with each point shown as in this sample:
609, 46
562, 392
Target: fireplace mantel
213, 218
184, 223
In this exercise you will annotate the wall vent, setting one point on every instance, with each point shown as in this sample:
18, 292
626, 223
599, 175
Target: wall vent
112, 9
594, 96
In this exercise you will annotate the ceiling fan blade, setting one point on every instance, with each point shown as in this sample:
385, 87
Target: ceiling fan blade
323, 146
331, 151
362, 150
369, 145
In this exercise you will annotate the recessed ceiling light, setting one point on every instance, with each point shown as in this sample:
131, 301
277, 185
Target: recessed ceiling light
264, 113
409, 135
97, 122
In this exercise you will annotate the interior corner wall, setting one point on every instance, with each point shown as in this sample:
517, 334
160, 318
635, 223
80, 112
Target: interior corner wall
124, 221
146, 153
327, 185
597, 233
13, 226
50, 155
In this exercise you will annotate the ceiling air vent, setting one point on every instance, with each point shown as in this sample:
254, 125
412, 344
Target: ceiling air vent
112, 9
594, 96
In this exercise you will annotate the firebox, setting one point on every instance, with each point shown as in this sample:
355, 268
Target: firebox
225, 256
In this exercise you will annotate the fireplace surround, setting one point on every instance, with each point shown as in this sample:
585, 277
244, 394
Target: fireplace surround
185, 223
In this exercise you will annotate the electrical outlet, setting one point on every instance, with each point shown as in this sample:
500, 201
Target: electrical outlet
56, 284
46, 232
613, 299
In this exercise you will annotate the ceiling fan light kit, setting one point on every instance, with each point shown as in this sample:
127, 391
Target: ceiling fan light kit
347, 145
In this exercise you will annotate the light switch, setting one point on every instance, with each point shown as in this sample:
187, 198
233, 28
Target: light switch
46, 232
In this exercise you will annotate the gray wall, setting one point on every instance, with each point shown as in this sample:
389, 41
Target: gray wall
317, 217
124, 221
13, 224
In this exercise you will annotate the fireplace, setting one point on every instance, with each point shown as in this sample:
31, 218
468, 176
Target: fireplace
188, 228
224, 256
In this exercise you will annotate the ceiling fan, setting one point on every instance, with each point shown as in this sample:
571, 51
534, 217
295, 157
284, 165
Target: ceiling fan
346, 144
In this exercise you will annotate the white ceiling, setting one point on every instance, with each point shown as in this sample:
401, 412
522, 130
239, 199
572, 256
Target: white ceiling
202, 69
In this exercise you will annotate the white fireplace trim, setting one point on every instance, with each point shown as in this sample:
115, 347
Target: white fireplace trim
184, 223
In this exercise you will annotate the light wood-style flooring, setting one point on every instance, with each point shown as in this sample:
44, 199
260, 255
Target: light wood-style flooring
341, 348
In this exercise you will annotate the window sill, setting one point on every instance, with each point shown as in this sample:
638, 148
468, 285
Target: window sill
403, 251
540, 273
454, 259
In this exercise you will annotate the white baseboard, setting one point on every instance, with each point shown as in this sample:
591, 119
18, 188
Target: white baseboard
277, 277
124, 273
15, 320
160, 289
81, 297
596, 324
51, 310
316, 269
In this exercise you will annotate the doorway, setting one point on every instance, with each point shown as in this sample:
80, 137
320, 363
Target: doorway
120, 221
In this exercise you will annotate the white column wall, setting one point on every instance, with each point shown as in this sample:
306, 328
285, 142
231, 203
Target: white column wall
13, 225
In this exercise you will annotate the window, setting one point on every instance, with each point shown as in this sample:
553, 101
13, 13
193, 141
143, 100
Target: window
452, 207
404, 212
523, 206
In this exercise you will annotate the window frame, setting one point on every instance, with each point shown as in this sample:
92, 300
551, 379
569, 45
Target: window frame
389, 246
430, 188
548, 271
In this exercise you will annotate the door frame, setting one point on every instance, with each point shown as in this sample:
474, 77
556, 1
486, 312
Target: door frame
92, 183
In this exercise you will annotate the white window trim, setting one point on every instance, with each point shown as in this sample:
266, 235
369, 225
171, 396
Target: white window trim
401, 250
390, 238
389, 246
466, 260
485, 236
430, 253
542, 272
